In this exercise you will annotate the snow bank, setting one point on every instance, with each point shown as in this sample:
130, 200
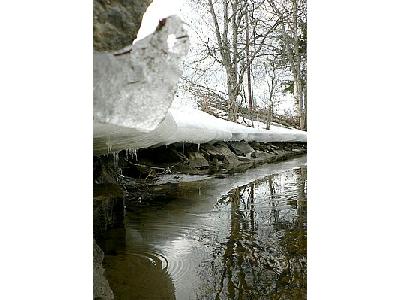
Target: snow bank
187, 125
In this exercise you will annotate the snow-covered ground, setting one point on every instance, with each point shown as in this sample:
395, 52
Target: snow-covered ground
133, 94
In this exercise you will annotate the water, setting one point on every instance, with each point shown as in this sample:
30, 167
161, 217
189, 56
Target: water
239, 237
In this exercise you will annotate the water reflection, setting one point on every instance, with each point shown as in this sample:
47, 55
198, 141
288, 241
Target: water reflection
249, 244
264, 256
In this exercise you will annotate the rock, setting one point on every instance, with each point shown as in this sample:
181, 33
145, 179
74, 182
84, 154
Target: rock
104, 170
296, 150
117, 22
197, 160
101, 287
137, 171
259, 146
258, 154
240, 148
221, 152
275, 147
108, 208
161, 156
244, 159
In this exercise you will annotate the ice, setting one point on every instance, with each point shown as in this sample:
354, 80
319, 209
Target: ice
157, 10
135, 90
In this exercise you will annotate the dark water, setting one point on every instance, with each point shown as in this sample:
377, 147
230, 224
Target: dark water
240, 237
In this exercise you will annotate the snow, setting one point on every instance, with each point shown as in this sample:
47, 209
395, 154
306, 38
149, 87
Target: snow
187, 125
133, 94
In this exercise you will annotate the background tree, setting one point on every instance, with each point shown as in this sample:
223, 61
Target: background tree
247, 55
293, 36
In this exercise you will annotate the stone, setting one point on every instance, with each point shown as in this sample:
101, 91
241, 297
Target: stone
117, 22
240, 148
221, 152
136, 171
108, 208
296, 150
161, 156
101, 287
274, 146
258, 154
197, 160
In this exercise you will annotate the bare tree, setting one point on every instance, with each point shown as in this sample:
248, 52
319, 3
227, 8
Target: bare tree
256, 48
291, 27
234, 54
272, 82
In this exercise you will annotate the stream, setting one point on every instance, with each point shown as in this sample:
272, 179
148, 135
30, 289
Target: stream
242, 236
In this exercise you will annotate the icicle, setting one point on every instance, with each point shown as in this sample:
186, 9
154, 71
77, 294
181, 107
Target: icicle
115, 158
109, 146
198, 147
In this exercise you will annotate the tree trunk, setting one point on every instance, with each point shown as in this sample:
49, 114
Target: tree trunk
248, 65
298, 91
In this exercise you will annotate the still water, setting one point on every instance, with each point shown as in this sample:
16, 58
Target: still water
239, 237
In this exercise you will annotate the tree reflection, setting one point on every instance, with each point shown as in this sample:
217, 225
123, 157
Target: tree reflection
264, 255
